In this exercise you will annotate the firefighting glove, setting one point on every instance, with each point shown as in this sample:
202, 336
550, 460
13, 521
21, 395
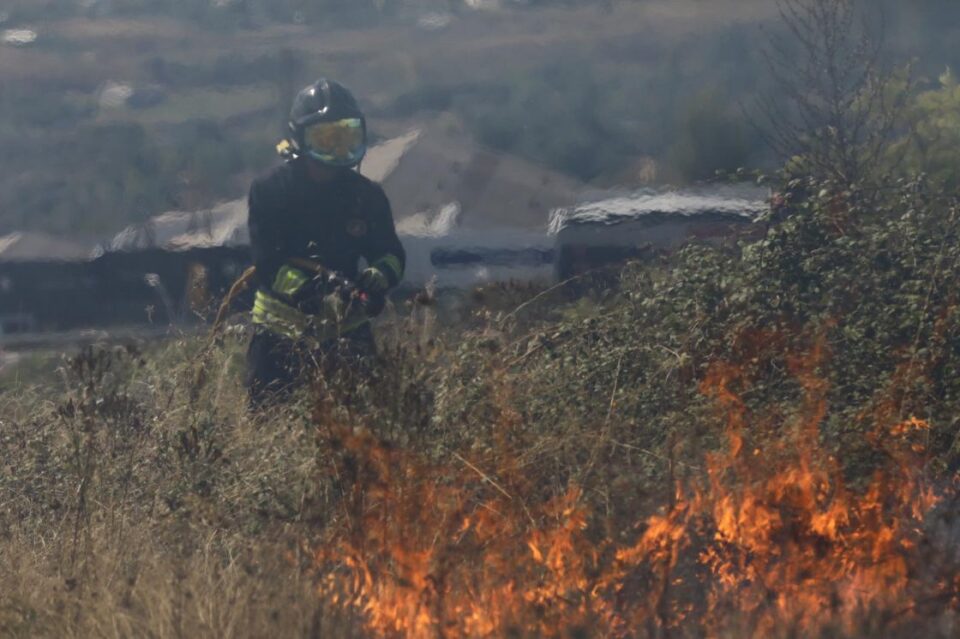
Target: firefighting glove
373, 281
309, 298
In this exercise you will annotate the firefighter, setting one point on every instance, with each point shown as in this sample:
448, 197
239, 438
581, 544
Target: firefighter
311, 221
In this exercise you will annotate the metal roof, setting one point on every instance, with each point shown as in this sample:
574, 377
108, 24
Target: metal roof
24, 246
652, 206
223, 225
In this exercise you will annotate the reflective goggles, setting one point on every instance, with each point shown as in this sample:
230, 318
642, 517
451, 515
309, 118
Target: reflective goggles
340, 143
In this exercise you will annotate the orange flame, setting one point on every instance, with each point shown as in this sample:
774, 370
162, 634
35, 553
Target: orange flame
769, 540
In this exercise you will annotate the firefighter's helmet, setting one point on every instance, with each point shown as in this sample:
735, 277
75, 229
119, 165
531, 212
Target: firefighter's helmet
327, 125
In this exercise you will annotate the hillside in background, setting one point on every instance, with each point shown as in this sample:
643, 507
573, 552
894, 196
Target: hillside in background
120, 110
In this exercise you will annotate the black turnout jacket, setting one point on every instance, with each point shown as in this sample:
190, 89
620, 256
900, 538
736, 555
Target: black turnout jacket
334, 223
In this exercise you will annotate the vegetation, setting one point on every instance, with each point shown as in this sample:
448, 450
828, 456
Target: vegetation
759, 439
142, 498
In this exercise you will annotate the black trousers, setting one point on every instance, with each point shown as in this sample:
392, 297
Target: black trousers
276, 365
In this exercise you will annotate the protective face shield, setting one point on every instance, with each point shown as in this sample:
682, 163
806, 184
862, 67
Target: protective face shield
337, 143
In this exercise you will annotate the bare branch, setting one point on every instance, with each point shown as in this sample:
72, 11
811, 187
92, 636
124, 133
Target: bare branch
832, 103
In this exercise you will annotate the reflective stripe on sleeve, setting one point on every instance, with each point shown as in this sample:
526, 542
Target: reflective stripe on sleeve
278, 317
289, 280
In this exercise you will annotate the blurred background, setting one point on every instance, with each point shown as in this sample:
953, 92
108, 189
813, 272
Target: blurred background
113, 111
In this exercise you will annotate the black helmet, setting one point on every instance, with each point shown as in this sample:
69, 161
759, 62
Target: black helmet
326, 124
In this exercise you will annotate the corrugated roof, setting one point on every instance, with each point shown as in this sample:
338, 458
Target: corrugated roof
24, 246
651, 205
223, 225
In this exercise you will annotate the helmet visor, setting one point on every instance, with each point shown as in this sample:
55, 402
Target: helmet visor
340, 143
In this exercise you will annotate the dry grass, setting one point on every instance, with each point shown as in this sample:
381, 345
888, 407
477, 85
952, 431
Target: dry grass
140, 498
131, 510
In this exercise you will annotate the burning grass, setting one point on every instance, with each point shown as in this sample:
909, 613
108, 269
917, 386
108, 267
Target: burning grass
768, 541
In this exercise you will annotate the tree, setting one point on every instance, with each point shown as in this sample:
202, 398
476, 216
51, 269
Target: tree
834, 109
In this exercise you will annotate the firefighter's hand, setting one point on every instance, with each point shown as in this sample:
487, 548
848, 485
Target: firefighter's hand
373, 281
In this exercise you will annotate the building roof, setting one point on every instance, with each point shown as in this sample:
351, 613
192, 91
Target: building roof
653, 206
223, 225
23, 246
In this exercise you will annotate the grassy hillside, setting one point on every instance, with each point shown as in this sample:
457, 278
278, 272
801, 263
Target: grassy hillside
752, 442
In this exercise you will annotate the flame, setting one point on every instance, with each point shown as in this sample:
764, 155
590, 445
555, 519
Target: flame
769, 540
